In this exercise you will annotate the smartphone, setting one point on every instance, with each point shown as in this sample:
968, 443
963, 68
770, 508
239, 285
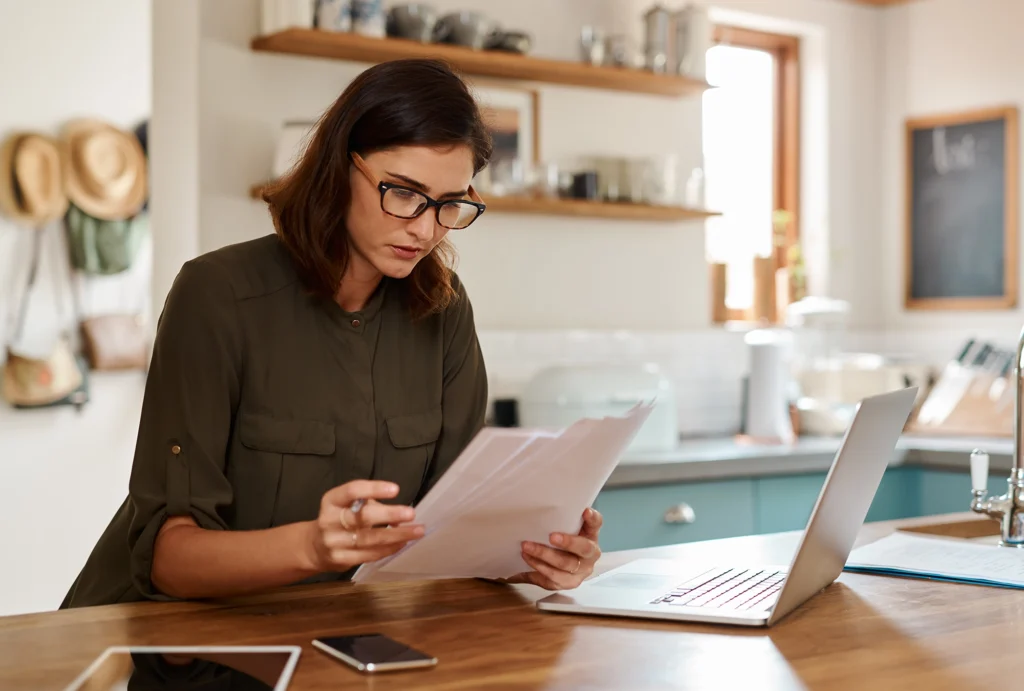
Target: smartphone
373, 652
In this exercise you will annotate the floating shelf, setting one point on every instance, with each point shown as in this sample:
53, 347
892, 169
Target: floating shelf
579, 208
483, 63
583, 208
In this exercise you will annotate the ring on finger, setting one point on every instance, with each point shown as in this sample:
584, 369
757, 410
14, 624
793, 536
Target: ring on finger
341, 519
579, 563
355, 538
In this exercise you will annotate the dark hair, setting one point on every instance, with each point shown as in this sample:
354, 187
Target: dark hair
399, 103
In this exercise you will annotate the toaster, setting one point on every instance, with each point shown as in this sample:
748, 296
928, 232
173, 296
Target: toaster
556, 397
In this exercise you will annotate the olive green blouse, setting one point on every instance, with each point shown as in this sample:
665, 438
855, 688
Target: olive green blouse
260, 398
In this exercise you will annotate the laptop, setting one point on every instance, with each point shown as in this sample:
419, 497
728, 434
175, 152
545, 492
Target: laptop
760, 594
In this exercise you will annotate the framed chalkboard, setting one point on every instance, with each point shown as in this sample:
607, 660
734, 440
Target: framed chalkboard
962, 210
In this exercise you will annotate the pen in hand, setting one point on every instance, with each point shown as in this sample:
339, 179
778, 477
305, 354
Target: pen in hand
356, 506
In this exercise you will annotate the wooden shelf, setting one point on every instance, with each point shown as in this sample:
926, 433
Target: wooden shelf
483, 63
583, 208
579, 208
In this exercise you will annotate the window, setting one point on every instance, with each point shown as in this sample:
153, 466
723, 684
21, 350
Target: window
751, 158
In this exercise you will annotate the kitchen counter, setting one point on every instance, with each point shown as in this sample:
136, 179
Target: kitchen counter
727, 457
862, 632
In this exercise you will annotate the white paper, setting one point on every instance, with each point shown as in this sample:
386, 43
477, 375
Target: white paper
509, 485
945, 558
486, 456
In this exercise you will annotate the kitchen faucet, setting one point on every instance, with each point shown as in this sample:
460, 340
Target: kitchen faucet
1008, 509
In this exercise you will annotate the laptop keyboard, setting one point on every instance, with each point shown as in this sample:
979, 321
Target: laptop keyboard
727, 589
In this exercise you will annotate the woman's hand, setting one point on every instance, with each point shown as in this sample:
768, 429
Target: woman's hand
341, 538
569, 562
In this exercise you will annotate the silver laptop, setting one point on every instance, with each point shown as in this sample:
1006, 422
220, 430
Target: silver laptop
760, 594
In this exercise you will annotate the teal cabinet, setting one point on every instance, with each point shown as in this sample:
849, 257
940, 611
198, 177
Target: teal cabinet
896, 497
635, 517
785, 502
949, 491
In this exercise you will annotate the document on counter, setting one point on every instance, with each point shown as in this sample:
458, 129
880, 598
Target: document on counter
903, 554
509, 485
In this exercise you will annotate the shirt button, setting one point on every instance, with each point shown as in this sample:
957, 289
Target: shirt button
355, 323
175, 449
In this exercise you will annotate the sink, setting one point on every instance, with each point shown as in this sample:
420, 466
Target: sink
965, 526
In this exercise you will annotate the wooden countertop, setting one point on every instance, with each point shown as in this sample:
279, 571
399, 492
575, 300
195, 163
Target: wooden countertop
863, 632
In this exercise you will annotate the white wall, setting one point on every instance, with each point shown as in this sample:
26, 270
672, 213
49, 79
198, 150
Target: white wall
174, 141
942, 56
62, 474
62, 477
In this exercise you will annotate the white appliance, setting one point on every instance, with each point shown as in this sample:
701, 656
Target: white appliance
557, 396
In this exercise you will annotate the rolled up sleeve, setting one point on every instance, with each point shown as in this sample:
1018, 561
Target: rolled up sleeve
464, 393
191, 394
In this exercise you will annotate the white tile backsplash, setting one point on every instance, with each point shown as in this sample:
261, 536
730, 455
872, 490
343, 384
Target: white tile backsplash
707, 366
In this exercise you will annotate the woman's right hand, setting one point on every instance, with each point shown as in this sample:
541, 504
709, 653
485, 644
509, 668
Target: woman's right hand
342, 538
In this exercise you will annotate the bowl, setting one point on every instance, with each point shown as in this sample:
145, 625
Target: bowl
415, 21
469, 29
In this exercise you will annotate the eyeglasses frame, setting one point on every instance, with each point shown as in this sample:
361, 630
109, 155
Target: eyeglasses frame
383, 187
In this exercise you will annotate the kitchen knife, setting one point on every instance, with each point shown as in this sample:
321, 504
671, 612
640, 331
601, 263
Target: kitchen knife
959, 384
938, 393
989, 372
1001, 390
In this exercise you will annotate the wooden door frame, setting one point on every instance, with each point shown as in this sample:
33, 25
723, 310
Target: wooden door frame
786, 181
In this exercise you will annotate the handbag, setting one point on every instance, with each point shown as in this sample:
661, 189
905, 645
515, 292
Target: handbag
115, 342
103, 247
60, 378
110, 342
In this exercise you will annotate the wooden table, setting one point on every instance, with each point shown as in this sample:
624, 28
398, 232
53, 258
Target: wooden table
863, 632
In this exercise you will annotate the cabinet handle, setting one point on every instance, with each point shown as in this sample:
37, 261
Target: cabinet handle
680, 513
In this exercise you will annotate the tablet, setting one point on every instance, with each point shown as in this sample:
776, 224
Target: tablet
261, 668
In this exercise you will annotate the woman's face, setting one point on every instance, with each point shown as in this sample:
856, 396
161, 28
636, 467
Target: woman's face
393, 246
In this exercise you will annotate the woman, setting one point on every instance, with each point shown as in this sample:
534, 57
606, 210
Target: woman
333, 361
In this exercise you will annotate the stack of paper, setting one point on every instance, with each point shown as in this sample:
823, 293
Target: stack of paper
507, 486
902, 554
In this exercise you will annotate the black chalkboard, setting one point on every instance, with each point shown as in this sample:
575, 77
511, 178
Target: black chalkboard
962, 211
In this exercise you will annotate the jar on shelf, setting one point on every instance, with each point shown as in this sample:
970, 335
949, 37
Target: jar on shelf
368, 18
334, 15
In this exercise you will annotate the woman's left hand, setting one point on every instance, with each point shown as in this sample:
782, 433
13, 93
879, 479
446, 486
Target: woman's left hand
568, 562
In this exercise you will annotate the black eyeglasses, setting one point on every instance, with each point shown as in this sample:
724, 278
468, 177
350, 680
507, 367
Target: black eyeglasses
404, 202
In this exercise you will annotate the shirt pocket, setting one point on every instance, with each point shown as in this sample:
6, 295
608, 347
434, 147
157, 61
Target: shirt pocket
406, 460
283, 470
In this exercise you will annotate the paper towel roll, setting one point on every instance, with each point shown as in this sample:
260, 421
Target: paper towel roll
767, 411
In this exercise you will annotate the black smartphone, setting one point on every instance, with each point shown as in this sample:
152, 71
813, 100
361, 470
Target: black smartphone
373, 652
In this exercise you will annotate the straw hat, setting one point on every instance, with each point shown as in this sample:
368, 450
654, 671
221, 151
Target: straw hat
106, 170
32, 179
